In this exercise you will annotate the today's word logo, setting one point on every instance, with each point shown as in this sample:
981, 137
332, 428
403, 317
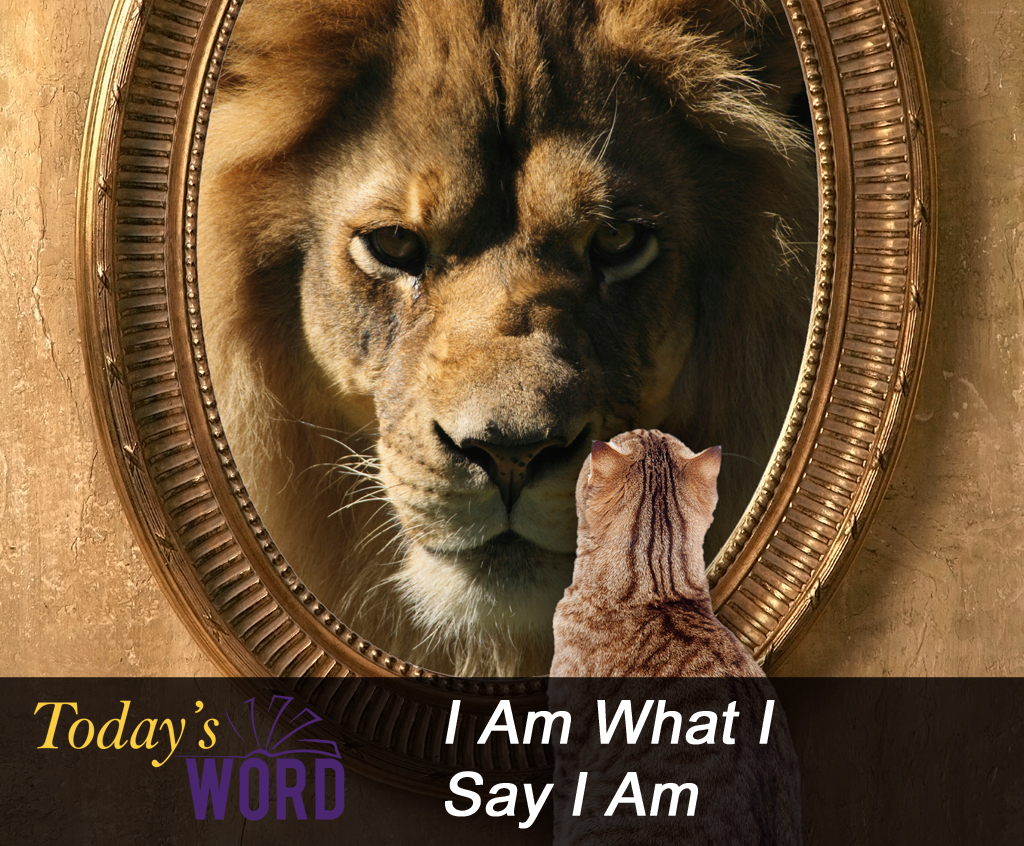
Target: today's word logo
275, 772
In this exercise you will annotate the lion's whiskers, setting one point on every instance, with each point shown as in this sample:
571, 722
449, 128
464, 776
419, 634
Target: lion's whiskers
391, 524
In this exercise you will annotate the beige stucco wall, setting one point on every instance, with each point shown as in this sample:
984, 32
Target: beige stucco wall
939, 586
77, 597
937, 589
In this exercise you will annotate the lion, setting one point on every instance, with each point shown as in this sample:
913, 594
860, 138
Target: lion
445, 245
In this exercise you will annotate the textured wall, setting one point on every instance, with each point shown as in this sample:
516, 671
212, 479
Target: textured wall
77, 597
937, 590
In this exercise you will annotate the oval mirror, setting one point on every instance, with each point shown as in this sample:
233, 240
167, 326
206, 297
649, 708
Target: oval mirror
362, 358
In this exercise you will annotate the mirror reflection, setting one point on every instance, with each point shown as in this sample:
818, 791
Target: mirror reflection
446, 245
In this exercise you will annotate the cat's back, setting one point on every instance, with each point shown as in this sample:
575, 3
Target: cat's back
669, 640
637, 626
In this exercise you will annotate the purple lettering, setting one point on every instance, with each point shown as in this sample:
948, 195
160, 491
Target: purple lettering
294, 791
209, 787
263, 788
322, 812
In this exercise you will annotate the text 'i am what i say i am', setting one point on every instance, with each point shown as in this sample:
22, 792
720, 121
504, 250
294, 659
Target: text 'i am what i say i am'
666, 726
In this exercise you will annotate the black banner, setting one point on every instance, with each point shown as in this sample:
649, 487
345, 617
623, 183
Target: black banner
863, 761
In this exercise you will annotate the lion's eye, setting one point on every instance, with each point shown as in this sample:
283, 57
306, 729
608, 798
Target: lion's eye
397, 247
621, 249
615, 240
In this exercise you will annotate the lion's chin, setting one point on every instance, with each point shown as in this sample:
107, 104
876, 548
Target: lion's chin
503, 592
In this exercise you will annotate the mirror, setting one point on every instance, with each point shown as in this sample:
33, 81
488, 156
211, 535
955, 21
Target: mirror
162, 416
433, 274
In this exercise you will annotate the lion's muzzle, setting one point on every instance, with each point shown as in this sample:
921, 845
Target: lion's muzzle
509, 463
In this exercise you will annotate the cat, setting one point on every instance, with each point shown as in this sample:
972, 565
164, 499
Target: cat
644, 503
639, 608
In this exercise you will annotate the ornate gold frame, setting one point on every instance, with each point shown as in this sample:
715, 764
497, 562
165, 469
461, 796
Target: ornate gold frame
155, 408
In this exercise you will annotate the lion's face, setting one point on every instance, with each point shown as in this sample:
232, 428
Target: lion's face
521, 287
514, 230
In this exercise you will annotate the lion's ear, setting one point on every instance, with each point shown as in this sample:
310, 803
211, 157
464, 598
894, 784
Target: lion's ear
285, 65
731, 64
757, 33
768, 48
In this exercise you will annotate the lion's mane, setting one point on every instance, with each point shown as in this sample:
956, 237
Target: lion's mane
306, 440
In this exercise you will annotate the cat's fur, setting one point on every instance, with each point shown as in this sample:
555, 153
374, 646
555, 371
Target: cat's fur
644, 504
639, 606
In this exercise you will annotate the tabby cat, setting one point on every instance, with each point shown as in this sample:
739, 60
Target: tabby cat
640, 606
644, 503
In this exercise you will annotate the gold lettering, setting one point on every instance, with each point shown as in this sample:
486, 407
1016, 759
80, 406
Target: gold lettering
149, 743
74, 731
48, 743
174, 740
117, 742
209, 732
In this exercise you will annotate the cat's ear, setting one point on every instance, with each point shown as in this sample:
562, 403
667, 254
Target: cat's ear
704, 468
606, 461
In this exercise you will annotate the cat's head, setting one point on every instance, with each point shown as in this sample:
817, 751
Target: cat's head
627, 485
614, 472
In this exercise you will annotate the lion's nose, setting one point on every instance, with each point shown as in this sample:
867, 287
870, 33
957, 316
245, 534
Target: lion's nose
511, 465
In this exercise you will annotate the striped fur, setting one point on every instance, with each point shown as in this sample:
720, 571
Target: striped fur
639, 603
639, 609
